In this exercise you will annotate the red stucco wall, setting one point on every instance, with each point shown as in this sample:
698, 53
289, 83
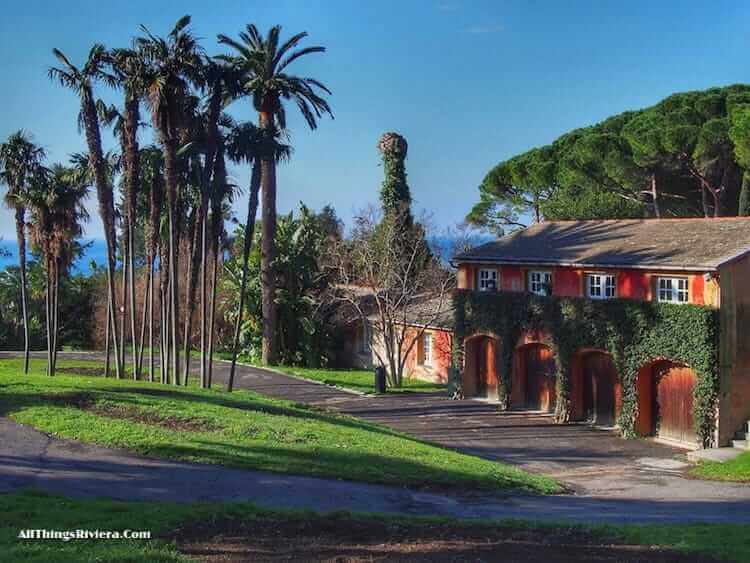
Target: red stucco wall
441, 357
566, 282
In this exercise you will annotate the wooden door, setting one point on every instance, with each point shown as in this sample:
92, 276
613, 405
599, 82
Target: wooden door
540, 377
482, 349
600, 383
674, 402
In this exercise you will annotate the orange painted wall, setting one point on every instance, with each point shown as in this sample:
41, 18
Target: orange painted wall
441, 357
567, 282
511, 278
633, 284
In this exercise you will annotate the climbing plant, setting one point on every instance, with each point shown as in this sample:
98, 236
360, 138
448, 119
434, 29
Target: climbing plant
633, 332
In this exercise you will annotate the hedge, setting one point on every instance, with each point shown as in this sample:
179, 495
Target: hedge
635, 333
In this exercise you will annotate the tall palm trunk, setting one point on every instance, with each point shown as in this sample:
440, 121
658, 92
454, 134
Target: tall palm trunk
209, 174
170, 173
107, 323
268, 246
192, 282
104, 195
132, 181
144, 319
204, 294
124, 302
151, 322
164, 302
252, 209
55, 312
21, 239
48, 316
212, 314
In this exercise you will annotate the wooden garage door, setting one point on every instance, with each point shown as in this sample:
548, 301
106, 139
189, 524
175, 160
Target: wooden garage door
540, 377
483, 353
674, 398
600, 388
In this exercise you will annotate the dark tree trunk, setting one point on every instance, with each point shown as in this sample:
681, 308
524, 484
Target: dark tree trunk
21, 239
107, 322
170, 172
104, 195
268, 248
192, 282
132, 183
252, 209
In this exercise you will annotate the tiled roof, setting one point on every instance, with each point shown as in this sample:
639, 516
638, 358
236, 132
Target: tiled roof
669, 244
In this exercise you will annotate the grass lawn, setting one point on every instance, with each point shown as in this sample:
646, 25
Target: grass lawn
357, 379
737, 469
219, 529
242, 429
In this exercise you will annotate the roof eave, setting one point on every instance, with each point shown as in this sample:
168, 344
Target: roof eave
671, 268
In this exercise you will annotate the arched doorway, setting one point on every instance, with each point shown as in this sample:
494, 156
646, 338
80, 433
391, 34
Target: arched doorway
480, 367
534, 372
596, 388
665, 402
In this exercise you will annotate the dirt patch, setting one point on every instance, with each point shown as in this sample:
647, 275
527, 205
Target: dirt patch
90, 371
86, 402
350, 540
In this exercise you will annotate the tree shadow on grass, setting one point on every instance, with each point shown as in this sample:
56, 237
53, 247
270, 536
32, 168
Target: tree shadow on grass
358, 466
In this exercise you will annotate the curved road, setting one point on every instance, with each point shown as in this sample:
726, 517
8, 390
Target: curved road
615, 480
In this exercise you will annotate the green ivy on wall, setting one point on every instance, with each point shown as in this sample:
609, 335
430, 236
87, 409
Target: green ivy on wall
635, 333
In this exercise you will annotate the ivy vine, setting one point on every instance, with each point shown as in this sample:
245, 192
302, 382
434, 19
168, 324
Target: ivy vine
634, 333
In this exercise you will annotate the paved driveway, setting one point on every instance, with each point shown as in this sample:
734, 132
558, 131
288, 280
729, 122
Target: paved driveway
591, 462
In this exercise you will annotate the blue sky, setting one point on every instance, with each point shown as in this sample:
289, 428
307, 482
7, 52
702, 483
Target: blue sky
468, 83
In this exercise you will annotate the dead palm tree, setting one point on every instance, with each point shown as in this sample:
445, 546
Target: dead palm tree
172, 63
19, 160
55, 201
263, 63
247, 143
81, 81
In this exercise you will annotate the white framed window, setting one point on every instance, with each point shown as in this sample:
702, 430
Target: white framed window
600, 286
487, 279
540, 282
427, 349
672, 290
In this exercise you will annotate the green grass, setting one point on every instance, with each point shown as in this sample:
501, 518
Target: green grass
245, 430
37, 510
737, 469
358, 380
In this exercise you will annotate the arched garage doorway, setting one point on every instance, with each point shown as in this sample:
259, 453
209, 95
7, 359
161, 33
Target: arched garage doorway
596, 388
480, 379
533, 384
665, 402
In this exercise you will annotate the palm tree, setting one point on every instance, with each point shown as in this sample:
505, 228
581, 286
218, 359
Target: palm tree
19, 160
130, 71
173, 62
263, 62
81, 80
247, 143
55, 201
152, 177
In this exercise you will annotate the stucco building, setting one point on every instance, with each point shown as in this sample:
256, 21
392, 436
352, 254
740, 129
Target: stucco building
603, 338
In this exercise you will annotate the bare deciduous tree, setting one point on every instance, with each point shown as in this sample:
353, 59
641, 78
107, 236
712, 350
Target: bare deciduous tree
393, 283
